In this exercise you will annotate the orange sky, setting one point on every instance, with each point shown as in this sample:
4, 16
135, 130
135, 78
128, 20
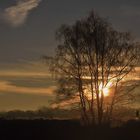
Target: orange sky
28, 86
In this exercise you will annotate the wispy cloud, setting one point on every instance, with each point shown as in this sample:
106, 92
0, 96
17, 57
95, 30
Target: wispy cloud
6, 86
66, 103
24, 74
16, 15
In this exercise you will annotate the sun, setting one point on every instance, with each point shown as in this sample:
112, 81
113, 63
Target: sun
105, 89
106, 92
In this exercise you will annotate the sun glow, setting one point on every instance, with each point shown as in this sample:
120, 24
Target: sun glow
105, 89
106, 92
102, 89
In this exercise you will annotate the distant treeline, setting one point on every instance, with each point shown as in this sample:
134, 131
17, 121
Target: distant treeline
58, 113
41, 113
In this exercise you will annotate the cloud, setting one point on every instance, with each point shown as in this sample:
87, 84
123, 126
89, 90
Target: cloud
16, 15
24, 74
7, 87
25, 69
66, 103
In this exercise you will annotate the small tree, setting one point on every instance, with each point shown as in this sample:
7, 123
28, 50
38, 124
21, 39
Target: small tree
91, 58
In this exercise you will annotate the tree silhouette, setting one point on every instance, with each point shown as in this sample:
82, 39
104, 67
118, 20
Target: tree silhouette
91, 58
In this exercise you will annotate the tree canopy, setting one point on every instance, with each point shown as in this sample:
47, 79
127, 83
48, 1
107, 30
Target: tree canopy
92, 63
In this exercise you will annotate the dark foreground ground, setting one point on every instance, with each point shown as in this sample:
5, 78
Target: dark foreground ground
65, 130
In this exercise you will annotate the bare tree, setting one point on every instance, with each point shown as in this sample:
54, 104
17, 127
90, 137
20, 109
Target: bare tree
93, 62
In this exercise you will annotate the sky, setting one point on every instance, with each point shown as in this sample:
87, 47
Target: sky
27, 32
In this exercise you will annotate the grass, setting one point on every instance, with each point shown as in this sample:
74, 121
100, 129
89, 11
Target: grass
65, 130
